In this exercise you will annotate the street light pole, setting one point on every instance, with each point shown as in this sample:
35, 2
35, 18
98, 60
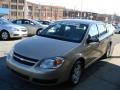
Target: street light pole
81, 9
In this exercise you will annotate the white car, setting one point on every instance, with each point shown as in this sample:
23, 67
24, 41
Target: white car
111, 28
9, 30
117, 29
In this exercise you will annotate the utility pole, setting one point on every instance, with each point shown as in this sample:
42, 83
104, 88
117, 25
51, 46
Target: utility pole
81, 9
25, 10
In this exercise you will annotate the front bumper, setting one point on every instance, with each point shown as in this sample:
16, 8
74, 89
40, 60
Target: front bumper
42, 77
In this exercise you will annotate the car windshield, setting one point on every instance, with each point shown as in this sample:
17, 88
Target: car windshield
37, 23
4, 21
73, 32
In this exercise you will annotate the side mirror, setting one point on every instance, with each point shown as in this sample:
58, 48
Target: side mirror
92, 40
32, 23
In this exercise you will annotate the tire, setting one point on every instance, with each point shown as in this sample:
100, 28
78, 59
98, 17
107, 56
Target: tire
75, 74
107, 53
38, 31
4, 35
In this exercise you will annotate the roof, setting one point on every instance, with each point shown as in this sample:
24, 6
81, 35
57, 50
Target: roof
85, 21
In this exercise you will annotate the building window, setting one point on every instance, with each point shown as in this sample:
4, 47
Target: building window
36, 14
13, 6
14, 1
49, 14
21, 1
13, 13
5, 6
20, 7
20, 13
30, 8
30, 14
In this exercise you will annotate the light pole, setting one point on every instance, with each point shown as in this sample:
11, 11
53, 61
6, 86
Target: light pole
39, 8
81, 9
26, 10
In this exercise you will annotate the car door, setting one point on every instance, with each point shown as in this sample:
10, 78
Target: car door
92, 51
34, 27
28, 25
103, 37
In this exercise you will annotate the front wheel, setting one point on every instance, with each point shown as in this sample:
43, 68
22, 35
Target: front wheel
4, 35
38, 32
75, 74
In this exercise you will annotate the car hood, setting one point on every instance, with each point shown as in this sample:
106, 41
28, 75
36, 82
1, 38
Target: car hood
38, 47
14, 26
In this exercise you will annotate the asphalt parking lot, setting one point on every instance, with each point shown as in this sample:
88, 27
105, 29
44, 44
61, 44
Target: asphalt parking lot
102, 75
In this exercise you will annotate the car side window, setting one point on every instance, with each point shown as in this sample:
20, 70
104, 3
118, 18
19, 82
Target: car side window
93, 32
102, 29
26, 22
18, 21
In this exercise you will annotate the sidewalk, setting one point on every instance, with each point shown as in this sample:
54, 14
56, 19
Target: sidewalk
5, 46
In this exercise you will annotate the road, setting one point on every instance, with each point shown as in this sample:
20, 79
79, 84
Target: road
102, 75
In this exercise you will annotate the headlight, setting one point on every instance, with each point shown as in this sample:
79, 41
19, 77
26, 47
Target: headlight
52, 63
10, 54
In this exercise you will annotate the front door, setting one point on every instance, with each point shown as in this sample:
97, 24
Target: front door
92, 51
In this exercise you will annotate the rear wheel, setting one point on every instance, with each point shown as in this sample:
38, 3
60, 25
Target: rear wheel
38, 31
4, 35
75, 73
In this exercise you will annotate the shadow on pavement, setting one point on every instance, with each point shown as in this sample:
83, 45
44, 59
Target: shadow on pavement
12, 39
101, 75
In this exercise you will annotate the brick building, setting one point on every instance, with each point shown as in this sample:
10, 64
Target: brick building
35, 11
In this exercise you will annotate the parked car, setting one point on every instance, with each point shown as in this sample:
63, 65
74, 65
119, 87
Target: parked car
44, 22
33, 27
117, 31
111, 28
60, 52
9, 30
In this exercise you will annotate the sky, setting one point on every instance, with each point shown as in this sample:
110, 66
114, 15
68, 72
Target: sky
99, 6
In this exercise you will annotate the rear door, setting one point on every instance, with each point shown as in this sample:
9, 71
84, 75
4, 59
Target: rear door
28, 25
103, 37
34, 27
92, 51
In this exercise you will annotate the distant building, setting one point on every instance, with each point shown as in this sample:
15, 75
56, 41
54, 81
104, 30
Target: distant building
45, 12
24, 9
71, 13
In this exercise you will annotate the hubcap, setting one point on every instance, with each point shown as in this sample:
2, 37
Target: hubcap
76, 74
4, 35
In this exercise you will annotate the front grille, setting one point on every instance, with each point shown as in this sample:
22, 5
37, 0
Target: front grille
15, 34
24, 60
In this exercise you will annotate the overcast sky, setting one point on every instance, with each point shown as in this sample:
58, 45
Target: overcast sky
99, 6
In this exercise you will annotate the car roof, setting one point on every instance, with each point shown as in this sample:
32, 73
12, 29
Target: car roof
85, 21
